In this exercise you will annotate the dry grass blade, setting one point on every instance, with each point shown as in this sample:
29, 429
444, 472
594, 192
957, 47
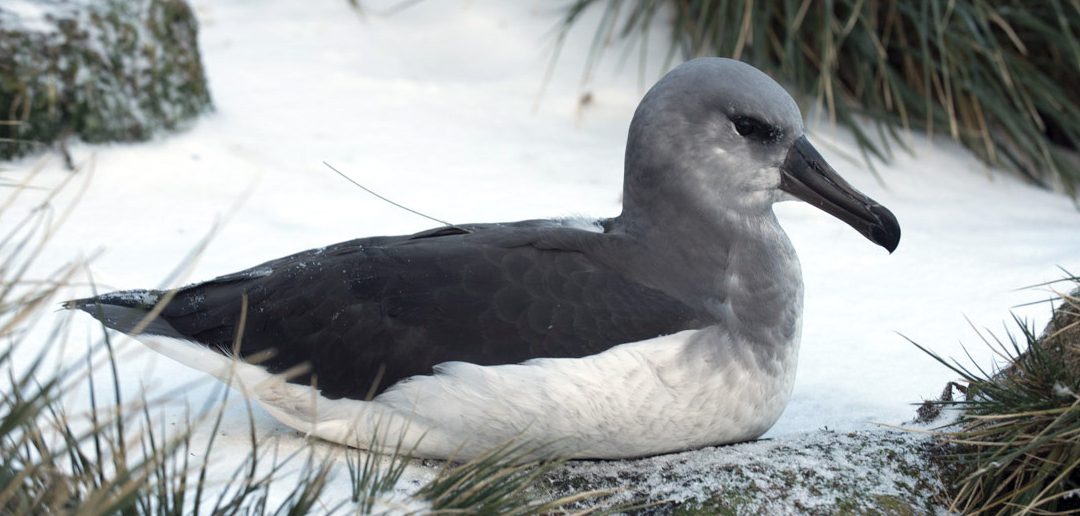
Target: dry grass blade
1014, 445
501, 481
51, 463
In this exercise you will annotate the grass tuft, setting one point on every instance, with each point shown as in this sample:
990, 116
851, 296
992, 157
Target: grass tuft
502, 481
998, 76
1015, 447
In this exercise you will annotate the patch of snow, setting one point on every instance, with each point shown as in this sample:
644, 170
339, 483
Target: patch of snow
1063, 391
582, 222
806, 473
137, 297
34, 15
259, 272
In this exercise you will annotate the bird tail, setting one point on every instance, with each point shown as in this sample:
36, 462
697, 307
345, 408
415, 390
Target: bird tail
128, 311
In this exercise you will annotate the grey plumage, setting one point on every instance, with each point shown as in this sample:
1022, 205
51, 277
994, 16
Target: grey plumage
711, 148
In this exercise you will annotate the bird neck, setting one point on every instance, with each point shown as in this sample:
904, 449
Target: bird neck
741, 266
670, 222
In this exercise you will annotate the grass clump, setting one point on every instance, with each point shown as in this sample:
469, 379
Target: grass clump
998, 76
102, 71
1015, 446
502, 481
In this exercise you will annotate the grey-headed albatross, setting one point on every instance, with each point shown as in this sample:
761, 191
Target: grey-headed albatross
672, 326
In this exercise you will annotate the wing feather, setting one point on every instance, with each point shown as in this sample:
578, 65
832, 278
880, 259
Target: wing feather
394, 307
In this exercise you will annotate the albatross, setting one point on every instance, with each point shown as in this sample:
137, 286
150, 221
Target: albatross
674, 325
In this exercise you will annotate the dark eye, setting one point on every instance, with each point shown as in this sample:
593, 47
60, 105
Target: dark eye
746, 126
753, 128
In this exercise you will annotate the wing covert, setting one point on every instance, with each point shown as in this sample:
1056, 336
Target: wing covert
401, 306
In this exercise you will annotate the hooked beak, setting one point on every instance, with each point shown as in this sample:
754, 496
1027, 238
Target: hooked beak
806, 175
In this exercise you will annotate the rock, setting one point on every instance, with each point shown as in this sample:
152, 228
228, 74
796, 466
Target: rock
101, 70
824, 472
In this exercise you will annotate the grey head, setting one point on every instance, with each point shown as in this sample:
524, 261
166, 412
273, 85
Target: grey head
718, 140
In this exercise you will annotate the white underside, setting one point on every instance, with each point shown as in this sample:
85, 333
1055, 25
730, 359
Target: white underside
691, 389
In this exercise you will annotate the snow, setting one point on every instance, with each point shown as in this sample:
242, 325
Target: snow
775, 476
33, 15
438, 107
1063, 390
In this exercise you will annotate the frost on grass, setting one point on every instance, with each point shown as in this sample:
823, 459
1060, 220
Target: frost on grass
102, 70
824, 472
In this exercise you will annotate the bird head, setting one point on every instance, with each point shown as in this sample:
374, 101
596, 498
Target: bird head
720, 138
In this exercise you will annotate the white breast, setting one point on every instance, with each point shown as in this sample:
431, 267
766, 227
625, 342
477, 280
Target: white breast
691, 389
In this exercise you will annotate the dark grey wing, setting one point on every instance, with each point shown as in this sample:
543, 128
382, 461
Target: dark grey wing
392, 307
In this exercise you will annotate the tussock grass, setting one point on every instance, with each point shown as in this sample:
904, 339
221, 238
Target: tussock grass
999, 76
103, 71
1015, 447
505, 480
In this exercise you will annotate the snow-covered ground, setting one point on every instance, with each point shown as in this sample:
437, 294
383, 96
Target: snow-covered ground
439, 107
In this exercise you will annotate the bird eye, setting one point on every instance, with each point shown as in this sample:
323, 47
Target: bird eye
750, 127
746, 126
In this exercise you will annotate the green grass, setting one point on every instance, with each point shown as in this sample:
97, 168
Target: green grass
997, 76
1015, 447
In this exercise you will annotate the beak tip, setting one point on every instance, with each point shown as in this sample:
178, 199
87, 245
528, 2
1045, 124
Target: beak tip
886, 232
890, 240
806, 175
